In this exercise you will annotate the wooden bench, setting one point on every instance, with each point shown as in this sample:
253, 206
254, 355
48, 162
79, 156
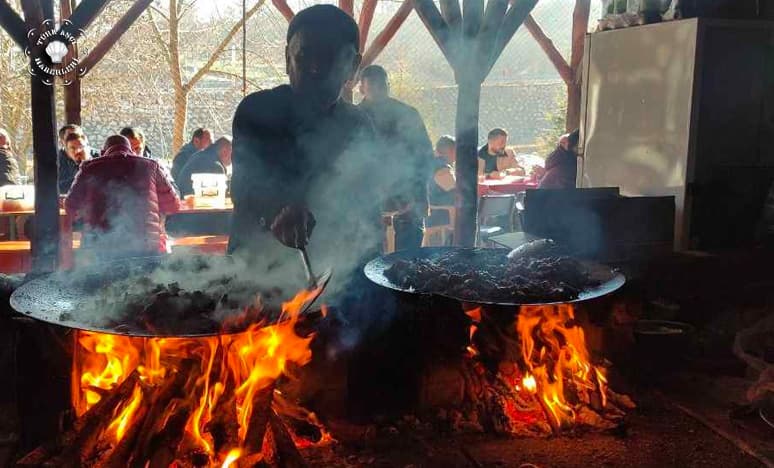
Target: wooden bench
200, 244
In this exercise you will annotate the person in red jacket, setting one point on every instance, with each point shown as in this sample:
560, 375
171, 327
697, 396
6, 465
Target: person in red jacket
122, 199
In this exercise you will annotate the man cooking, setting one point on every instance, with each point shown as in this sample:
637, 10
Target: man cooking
299, 148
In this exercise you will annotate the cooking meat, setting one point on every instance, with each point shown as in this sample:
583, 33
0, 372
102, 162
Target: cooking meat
487, 275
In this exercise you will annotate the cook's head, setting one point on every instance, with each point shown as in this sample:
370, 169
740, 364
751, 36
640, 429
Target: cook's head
201, 138
75, 147
223, 147
446, 147
497, 140
321, 54
374, 83
136, 138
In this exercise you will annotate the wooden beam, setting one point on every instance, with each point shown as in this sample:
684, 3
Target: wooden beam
430, 15
580, 24
487, 35
83, 15
282, 7
513, 19
45, 236
72, 90
364, 24
384, 37
466, 129
450, 9
472, 15
553, 54
12, 23
348, 6
115, 33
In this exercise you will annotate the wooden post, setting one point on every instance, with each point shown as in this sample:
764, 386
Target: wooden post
580, 24
72, 92
45, 238
466, 127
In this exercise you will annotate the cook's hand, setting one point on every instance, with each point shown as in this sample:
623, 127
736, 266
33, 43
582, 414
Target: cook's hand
293, 226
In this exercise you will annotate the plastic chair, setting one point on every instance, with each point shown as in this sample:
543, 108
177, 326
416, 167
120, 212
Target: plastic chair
495, 216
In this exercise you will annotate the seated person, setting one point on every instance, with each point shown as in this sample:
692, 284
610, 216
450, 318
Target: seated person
201, 139
212, 160
122, 198
494, 157
441, 188
67, 164
9, 167
561, 168
136, 138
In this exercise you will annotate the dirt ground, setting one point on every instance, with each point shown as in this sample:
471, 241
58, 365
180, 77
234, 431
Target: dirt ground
656, 435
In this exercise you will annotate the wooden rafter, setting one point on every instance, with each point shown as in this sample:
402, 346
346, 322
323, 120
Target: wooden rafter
12, 23
364, 23
115, 33
438, 28
348, 6
384, 37
283, 8
511, 22
83, 15
553, 54
472, 14
450, 10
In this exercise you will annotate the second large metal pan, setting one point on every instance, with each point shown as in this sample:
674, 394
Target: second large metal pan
608, 279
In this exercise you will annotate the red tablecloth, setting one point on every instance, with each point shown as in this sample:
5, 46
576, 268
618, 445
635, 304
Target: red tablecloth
508, 184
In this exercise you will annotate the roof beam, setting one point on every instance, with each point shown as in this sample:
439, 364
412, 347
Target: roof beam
364, 23
450, 10
553, 54
434, 22
348, 6
282, 7
83, 15
12, 23
115, 33
515, 16
384, 37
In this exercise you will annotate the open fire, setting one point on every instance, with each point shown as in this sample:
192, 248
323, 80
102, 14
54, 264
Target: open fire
208, 401
534, 375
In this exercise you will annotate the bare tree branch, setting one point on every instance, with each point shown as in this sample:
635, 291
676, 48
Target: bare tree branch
159, 38
252, 83
219, 49
160, 13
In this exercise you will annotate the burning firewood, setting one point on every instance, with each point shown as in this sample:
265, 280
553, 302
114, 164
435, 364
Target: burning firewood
161, 449
259, 419
287, 453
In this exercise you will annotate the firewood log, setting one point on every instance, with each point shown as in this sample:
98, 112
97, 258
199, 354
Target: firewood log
82, 439
159, 404
162, 447
123, 450
287, 452
224, 426
259, 419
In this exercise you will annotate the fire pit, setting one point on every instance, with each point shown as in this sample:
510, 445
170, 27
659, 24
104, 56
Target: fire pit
527, 370
204, 400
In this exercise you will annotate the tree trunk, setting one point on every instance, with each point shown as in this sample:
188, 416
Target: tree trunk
181, 114
468, 100
45, 238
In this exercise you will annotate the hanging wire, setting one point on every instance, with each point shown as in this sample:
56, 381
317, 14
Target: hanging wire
244, 48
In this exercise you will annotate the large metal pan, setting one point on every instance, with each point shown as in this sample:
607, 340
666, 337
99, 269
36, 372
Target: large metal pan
609, 280
68, 300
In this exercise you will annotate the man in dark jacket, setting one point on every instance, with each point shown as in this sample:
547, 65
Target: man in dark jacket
300, 148
213, 160
200, 140
67, 166
403, 138
122, 198
561, 166
9, 167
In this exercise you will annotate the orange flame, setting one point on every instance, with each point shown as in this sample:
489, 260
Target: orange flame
554, 351
241, 364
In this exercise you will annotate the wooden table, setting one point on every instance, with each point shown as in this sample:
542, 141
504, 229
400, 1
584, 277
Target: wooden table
508, 184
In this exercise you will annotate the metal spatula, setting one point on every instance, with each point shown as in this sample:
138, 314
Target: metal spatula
315, 284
